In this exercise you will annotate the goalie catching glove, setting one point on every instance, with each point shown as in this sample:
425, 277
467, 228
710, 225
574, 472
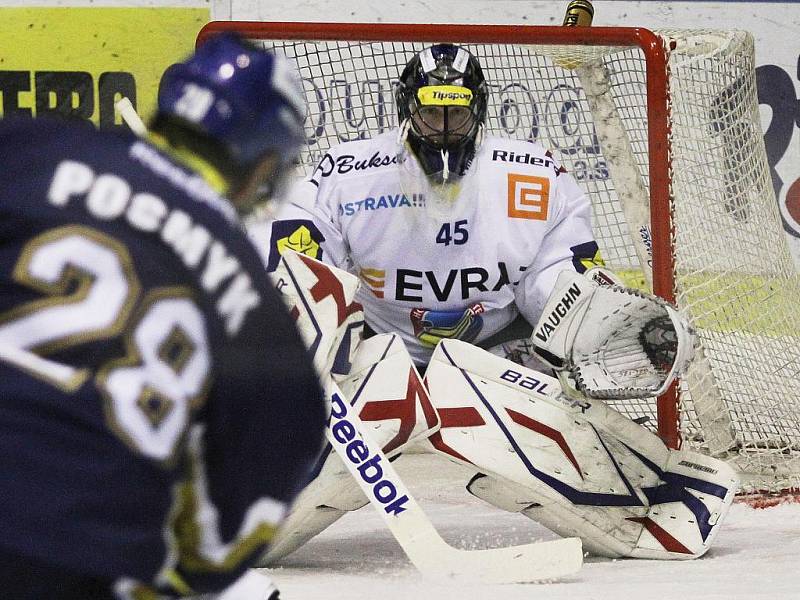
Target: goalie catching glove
616, 342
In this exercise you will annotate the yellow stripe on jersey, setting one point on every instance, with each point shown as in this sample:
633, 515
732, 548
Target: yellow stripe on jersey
207, 171
595, 261
373, 277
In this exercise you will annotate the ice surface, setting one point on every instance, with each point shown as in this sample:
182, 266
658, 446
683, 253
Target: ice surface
756, 556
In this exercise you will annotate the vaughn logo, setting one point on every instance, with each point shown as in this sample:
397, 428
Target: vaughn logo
347, 163
388, 201
559, 312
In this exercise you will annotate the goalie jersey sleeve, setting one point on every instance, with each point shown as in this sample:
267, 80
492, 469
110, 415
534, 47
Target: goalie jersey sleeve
158, 410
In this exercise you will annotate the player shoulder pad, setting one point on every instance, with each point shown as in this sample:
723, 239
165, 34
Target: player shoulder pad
357, 158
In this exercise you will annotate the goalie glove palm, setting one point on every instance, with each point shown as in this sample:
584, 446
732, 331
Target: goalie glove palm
615, 341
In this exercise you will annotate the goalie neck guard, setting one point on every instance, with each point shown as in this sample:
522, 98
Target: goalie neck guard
441, 99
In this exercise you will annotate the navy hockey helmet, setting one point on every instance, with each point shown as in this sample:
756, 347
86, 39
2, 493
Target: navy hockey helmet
247, 100
442, 98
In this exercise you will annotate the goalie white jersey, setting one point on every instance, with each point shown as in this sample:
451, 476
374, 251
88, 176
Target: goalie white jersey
432, 268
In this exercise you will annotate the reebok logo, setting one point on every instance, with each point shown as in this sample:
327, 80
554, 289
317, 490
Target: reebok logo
369, 465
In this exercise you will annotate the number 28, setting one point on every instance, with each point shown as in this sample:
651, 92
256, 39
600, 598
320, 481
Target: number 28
91, 292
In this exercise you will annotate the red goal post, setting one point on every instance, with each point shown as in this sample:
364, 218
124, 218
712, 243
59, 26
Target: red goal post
662, 131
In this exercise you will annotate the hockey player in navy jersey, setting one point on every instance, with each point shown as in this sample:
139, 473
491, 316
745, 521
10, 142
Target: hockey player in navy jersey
158, 410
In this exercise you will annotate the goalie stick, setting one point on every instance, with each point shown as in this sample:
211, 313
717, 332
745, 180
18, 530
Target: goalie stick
617, 149
415, 533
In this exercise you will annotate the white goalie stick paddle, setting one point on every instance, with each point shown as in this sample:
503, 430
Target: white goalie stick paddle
412, 529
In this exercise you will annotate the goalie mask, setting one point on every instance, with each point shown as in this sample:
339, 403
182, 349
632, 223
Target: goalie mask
441, 100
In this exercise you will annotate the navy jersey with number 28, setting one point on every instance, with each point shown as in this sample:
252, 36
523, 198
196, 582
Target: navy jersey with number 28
157, 407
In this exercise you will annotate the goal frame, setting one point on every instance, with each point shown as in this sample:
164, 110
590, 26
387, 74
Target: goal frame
658, 114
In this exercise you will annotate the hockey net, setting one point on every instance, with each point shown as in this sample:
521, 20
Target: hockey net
669, 126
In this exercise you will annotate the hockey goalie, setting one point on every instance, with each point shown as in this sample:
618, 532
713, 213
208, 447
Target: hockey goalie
547, 445
464, 243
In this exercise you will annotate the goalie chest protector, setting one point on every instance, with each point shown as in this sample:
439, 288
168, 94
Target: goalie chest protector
433, 268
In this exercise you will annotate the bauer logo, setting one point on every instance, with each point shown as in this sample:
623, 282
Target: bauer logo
369, 466
528, 197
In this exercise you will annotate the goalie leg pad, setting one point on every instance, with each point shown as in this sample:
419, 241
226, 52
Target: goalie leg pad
392, 402
575, 465
687, 509
328, 497
321, 298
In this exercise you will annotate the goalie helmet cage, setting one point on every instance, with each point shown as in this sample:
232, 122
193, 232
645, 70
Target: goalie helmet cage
662, 131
